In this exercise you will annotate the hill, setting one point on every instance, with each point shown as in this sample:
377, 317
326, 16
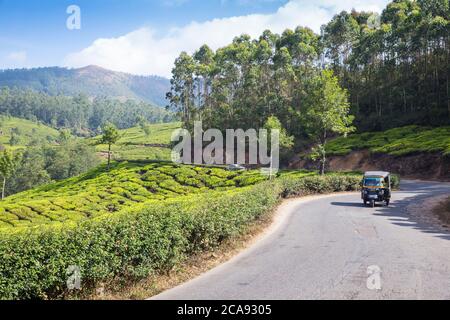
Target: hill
92, 81
24, 131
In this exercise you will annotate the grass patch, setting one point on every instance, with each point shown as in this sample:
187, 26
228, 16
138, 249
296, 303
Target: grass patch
136, 152
25, 131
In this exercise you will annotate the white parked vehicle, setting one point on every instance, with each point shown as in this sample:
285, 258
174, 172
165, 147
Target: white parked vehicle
235, 167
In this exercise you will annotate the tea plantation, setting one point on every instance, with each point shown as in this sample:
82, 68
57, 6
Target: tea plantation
127, 185
134, 144
398, 141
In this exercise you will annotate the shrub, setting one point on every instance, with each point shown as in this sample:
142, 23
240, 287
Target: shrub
395, 181
319, 184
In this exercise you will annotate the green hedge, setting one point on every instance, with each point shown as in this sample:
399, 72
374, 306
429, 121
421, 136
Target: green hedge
133, 245
318, 184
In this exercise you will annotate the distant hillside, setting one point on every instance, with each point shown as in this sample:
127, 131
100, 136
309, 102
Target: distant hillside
78, 113
134, 144
91, 80
23, 132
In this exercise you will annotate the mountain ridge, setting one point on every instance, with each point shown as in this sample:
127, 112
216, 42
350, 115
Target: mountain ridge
91, 80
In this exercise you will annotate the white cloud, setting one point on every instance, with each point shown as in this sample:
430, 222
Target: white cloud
16, 59
143, 52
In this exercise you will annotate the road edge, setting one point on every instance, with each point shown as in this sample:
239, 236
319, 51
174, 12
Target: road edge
281, 216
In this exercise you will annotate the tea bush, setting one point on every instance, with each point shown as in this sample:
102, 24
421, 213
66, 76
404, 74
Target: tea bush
320, 184
395, 181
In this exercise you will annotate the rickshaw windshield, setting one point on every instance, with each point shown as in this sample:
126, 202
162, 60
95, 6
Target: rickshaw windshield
373, 182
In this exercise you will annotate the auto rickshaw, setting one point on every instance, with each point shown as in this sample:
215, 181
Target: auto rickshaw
376, 187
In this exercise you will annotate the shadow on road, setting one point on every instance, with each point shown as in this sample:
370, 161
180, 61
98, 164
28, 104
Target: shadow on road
348, 204
414, 193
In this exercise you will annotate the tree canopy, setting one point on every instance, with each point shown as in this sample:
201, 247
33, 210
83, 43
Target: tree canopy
394, 68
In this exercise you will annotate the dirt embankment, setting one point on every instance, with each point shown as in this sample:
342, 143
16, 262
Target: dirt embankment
427, 166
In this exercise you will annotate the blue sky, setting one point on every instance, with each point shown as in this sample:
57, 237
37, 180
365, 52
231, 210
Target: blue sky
144, 36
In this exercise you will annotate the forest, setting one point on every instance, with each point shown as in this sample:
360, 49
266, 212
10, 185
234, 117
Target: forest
81, 114
392, 69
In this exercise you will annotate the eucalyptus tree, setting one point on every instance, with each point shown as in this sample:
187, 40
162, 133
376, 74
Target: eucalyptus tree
327, 112
204, 73
181, 96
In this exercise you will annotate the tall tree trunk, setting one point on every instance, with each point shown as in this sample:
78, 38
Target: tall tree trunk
323, 163
109, 156
404, 100
447, 50
3, 188
324, 153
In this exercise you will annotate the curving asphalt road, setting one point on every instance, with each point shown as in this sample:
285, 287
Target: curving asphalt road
328, 248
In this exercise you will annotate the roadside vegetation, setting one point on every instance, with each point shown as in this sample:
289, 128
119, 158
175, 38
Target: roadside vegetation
398, 141
135, 234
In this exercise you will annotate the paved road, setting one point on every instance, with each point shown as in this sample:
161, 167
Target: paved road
324, 247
